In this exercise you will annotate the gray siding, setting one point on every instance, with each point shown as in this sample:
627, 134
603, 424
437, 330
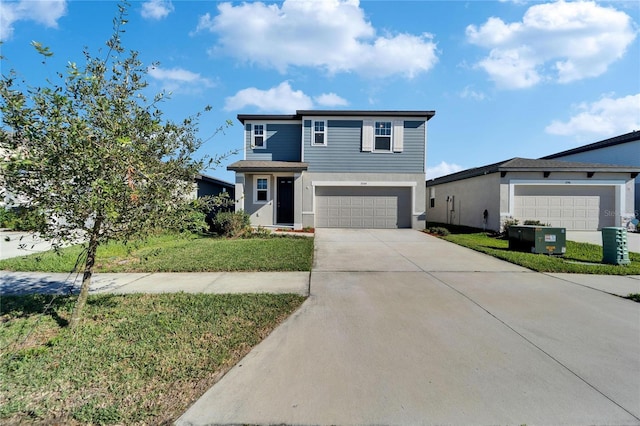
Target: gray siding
283, 143
342, 152
623, 155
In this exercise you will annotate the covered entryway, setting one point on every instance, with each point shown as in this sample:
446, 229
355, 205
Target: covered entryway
579, 208
363, 207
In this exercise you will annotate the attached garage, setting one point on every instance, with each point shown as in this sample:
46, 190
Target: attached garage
363, 207
571, 195
580, 208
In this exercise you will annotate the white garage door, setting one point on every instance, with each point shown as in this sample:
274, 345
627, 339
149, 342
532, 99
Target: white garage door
354, 207
580, 208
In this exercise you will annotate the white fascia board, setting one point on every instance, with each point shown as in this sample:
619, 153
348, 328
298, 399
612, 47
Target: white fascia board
265, 121
571, 182
358, 118
361, 183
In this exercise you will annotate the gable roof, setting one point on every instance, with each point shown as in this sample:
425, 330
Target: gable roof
426, 115
618, 140
531, 165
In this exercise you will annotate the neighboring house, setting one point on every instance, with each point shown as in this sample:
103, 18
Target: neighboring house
576, 196
623, 150
207, 185
347, 169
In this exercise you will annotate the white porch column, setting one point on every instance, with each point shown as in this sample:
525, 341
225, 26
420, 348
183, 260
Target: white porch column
297, 201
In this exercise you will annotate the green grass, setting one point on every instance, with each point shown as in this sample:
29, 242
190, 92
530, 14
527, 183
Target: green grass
634, 296
181, 253
136, 359
580, 258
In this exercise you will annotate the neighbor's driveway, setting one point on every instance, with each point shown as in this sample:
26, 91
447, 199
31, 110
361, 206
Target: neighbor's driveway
16, 243
403, 328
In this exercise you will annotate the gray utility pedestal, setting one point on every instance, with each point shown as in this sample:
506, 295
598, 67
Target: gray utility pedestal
538, 239
615, 246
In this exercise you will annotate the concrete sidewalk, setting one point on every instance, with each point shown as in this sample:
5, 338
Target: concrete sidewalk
192, 282
404, 328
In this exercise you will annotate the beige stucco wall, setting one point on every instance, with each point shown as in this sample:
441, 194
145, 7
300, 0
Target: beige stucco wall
494, 193
470, 199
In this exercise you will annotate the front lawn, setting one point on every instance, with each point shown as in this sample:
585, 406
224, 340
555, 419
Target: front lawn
135, 359
580, 258
181, 253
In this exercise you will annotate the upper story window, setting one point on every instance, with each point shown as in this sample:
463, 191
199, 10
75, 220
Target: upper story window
258, 136
319, 133
382, 136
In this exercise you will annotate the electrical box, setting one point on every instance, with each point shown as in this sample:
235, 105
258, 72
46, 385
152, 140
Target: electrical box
615, 248
538, 239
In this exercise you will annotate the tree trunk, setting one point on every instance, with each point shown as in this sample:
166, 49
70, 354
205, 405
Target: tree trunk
86, 277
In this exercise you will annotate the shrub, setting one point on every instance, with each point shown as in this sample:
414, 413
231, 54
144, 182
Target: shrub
259, 232
189, 217
439, 231
22, 219
506, 225
231, 224
535, 223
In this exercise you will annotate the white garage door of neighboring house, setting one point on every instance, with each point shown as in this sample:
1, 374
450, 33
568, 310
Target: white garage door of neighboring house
369, 207
580, 208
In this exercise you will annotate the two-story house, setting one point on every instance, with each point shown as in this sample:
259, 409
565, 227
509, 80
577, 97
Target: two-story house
334, 169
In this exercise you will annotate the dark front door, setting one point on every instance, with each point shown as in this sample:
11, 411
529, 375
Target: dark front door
285, 200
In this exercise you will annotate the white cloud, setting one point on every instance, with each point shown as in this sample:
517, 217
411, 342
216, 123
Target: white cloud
469, 93
179, 80
282, 99
44, 12
605, 117
559, 42
331, 34
156, 9
330, 99
442, 169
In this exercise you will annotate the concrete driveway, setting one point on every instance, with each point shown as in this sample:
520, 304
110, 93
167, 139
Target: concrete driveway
16, 243
403, 328
595, 237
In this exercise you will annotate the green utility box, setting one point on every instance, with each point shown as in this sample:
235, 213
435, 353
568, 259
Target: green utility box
615, 247
538, 239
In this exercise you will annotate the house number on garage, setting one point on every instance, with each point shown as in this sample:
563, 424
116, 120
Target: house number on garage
363, 183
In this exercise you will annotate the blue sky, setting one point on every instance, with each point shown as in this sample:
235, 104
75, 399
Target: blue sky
506, 78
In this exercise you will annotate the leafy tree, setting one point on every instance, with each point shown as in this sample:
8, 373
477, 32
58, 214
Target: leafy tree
95, 154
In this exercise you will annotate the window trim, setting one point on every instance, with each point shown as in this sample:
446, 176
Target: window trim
390, 135
314, 132
255, 189
264, 136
